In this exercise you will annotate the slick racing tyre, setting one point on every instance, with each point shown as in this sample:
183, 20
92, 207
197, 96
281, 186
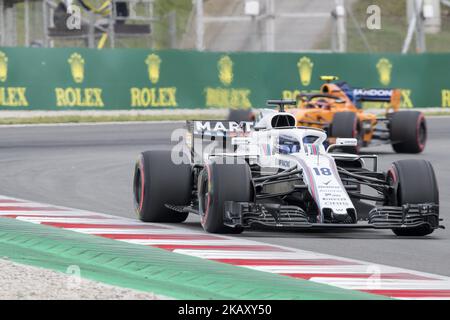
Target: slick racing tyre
346, 125
239, 115
218, 183
414, 182
408, 131
159, 182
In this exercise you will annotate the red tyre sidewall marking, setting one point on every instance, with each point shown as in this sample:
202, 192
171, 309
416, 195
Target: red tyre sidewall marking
393, 175
141, 172
355, 133
355, 126
419, 122
208, 203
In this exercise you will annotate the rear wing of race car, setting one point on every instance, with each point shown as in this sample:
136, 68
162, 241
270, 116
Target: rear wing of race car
391, 96
213, 136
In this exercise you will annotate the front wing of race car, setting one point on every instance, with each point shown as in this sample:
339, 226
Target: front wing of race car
249, 215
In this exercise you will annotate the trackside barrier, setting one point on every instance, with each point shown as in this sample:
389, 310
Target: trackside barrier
113, 79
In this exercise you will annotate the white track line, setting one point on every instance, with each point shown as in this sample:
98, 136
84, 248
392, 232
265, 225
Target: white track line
363, 284
218, 254
40, 220
182, 242
44, 214
100, 231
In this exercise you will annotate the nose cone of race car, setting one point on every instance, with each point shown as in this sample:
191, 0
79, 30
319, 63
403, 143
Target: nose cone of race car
341, 218
338, 217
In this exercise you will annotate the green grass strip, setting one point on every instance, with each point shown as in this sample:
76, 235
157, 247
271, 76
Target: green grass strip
150, 269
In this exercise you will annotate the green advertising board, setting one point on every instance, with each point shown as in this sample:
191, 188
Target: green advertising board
76, 78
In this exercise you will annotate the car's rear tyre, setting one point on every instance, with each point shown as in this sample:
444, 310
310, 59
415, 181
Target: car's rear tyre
217, 184
346, 125
159, 182
239, 115
414, 182
408, 131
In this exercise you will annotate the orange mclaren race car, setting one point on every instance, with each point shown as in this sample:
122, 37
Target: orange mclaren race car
337, 109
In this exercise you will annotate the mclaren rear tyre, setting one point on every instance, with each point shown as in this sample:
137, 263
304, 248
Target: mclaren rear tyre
414, 182
159, 182
346, 125
408, 131
239, 115
217, 184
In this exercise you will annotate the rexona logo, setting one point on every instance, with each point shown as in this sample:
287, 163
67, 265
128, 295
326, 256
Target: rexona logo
10, 96
226, 97
154, 96
75, 96
305, 68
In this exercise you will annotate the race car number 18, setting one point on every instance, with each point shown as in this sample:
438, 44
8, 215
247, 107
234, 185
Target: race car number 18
323, 171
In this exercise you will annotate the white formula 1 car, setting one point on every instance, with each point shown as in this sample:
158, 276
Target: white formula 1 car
272, 174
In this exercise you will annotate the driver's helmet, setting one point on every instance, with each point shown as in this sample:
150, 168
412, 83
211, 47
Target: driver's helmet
322, 103
288, 145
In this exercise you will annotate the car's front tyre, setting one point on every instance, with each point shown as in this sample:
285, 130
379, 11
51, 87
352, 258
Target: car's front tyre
413, 182
217, 184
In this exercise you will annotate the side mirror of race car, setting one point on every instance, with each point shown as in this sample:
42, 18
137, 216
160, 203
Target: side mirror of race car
239, 141
343, 142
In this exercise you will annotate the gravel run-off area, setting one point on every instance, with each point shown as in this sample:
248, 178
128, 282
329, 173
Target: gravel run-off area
22, 282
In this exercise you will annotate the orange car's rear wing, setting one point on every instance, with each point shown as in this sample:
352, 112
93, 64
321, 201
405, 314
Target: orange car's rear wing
392, 96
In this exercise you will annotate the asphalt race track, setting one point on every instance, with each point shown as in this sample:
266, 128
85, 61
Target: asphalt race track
91, 166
